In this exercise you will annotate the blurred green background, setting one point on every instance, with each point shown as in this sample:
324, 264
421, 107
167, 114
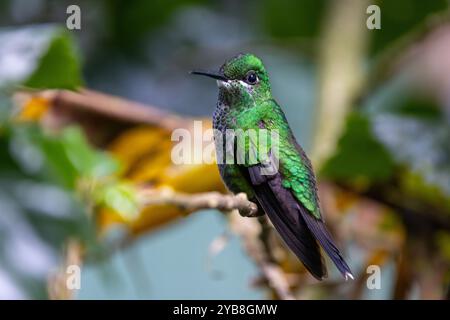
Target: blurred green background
394, 148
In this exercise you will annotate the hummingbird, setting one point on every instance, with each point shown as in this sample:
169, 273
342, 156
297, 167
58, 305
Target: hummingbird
288, 193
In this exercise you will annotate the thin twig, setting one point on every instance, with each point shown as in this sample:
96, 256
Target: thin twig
199, 201
249, 232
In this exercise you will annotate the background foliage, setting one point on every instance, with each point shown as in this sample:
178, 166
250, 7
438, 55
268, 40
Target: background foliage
385, 187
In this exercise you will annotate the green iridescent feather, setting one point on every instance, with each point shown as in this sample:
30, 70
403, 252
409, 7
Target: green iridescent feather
295, 168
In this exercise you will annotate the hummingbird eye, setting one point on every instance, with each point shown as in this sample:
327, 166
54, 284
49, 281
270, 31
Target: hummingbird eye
251, 77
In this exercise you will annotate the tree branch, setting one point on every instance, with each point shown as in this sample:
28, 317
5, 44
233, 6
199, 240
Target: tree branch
249, 231
109, 106
343, 45
199, 201
258, 250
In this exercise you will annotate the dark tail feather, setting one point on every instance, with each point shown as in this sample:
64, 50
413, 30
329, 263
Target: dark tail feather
322, 235
297, 236
299, 239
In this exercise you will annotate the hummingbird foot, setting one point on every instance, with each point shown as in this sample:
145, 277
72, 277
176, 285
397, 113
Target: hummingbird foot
250, 210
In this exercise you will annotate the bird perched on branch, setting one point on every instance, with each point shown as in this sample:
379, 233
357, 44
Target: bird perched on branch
267, 163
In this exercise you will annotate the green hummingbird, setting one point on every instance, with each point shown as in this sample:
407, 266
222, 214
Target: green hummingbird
287, 192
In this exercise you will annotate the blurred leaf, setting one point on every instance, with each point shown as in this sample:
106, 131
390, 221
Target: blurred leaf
34, 109
412, 126
57, 161
120, 197
443, 241
86, 160
67, 155
7, 162
419, 107
37, 216
399, 17
20, 51
359, 154
41, 56
131, 22
286, 18
420, 144
59, 67
421, 188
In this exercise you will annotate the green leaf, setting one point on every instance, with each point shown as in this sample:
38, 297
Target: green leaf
131, 22
86, 160
416, 106
57, 162
443, 242
419, 143
59, 67
400, 17
67, 155
121, 197
285, 18
43, 214
359, 154
38, 56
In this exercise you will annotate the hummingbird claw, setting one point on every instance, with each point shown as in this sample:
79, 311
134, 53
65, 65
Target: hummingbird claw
250, 210
253, 214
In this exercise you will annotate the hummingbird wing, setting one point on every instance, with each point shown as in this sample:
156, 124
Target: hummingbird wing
316, 225
297, 226
301, 227
280, 206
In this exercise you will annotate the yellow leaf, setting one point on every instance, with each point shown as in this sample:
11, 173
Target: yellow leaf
145, 153
33, 109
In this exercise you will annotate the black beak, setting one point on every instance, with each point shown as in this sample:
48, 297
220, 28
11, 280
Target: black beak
213, 75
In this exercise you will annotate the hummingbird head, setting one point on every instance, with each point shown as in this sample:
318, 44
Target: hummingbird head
242, 78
